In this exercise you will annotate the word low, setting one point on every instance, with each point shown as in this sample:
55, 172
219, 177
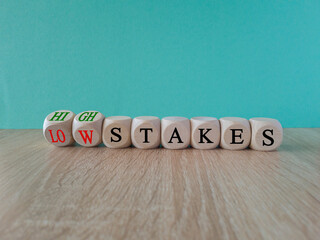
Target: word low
90, 128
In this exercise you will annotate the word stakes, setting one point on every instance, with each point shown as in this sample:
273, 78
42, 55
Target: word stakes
91, 128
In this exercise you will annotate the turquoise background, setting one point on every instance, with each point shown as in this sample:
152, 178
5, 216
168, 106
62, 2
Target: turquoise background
185, 58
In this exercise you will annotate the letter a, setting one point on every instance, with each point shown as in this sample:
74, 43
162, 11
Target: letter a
175, 134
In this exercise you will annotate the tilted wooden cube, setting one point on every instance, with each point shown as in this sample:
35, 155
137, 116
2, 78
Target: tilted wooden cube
57, 128
87, 128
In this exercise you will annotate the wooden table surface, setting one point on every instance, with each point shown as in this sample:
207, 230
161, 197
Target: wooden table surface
84, 193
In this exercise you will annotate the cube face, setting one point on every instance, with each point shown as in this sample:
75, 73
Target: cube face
58, 135
235, 133
267, 134
146, 132
175, 132
57, 128
116, 132
87, 128
205, 132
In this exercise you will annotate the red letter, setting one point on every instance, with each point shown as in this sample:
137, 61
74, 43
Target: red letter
59, 139
64, 137
87, 136
52, 136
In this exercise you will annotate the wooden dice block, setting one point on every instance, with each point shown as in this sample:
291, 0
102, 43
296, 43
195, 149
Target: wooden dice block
267, 134
205, 132
87, 128
175, 132
145, 132
116, 131
235, 133
57, 128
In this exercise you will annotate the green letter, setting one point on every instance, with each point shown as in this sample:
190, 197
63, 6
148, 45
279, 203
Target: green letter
92, 115
58, 116
83, 119
87, 117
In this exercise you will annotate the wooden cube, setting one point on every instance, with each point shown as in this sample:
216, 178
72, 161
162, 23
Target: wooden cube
205, 132
145, 132
267, 134
87, 128
57, 128
175, 132
235, 133
116, 131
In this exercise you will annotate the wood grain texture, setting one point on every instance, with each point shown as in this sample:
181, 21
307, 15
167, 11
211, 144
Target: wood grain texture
84, 193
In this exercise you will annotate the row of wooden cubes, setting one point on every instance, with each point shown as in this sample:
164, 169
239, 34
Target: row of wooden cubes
90, 128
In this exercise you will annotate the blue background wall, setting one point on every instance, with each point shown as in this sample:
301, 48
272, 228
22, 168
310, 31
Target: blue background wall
187, 58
